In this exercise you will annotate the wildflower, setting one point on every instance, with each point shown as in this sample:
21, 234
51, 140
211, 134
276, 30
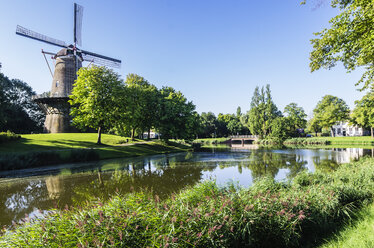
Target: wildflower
120, 235
174, 219
199, 234
232, 229
301, 217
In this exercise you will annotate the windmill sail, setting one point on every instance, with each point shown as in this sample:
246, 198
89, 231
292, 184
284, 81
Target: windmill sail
40, 37
78, 16
100, 59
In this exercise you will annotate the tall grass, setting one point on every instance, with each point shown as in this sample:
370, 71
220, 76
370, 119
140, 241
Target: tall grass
268, 214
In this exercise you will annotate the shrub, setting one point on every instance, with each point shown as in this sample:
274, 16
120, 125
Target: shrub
8, 136
306, 141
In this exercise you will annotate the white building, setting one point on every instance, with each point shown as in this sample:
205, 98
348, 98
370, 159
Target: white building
153, 135
344, 129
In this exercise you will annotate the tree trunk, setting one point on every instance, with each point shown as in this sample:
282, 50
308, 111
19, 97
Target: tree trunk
332, 132
149, 134
133, 134
99, 136
372, 134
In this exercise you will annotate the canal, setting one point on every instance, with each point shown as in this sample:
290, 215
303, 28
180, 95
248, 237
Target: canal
31, 192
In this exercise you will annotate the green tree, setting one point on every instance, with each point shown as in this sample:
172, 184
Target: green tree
222, 122
363, 113
96, 99
18, 112
209, 124
296, 116
280, 128
349, 39
313, 126
262, 113
142, 104
177, 117
329, 111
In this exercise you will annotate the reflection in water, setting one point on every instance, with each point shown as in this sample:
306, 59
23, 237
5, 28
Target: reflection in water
75, 184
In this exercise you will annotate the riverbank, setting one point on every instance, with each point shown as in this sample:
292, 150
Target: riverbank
301, 213
35, 150
357, 141
354, 141
355, 233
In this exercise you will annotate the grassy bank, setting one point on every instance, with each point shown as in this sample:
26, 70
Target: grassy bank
357, 233
300, 213
48, 149
211, 141
358, 141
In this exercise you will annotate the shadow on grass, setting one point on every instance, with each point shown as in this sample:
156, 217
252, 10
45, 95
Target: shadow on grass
24, 145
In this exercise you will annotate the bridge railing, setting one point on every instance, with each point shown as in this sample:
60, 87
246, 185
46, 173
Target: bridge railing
243, 137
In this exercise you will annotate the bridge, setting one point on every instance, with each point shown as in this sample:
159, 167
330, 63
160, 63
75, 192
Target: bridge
243, 138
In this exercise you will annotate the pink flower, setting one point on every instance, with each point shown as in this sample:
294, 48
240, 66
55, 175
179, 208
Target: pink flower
301, 217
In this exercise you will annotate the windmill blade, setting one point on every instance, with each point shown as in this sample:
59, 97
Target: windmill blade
100, 59
78, 14
40, 37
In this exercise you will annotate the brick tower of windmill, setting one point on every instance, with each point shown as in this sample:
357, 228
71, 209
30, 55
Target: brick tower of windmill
68, 61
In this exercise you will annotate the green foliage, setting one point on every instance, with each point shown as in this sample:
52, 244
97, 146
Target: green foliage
328, 112
280, 128
8, 136
306, 141
177, 117
141, 105
268, 214
95, 99
18, 113
296, 118
209, 125
262, 113
363, 113
349, 40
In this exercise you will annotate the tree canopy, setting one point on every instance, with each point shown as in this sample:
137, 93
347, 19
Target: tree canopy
363, 113
296, 117
349, 40
262, 113
177, 117
96, 99
329, 111
18, 112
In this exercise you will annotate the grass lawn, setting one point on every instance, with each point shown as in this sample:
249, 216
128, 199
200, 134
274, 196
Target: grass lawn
349, 140
59, 141
211, 140
63, 144
356, 234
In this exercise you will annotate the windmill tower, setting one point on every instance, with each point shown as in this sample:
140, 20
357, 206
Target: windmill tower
68, 61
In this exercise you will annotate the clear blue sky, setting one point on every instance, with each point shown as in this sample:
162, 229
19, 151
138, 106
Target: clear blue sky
216, 52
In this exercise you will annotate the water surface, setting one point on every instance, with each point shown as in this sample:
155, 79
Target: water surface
29, 191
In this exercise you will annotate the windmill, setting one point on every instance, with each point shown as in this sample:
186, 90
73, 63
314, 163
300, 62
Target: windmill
68, 61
